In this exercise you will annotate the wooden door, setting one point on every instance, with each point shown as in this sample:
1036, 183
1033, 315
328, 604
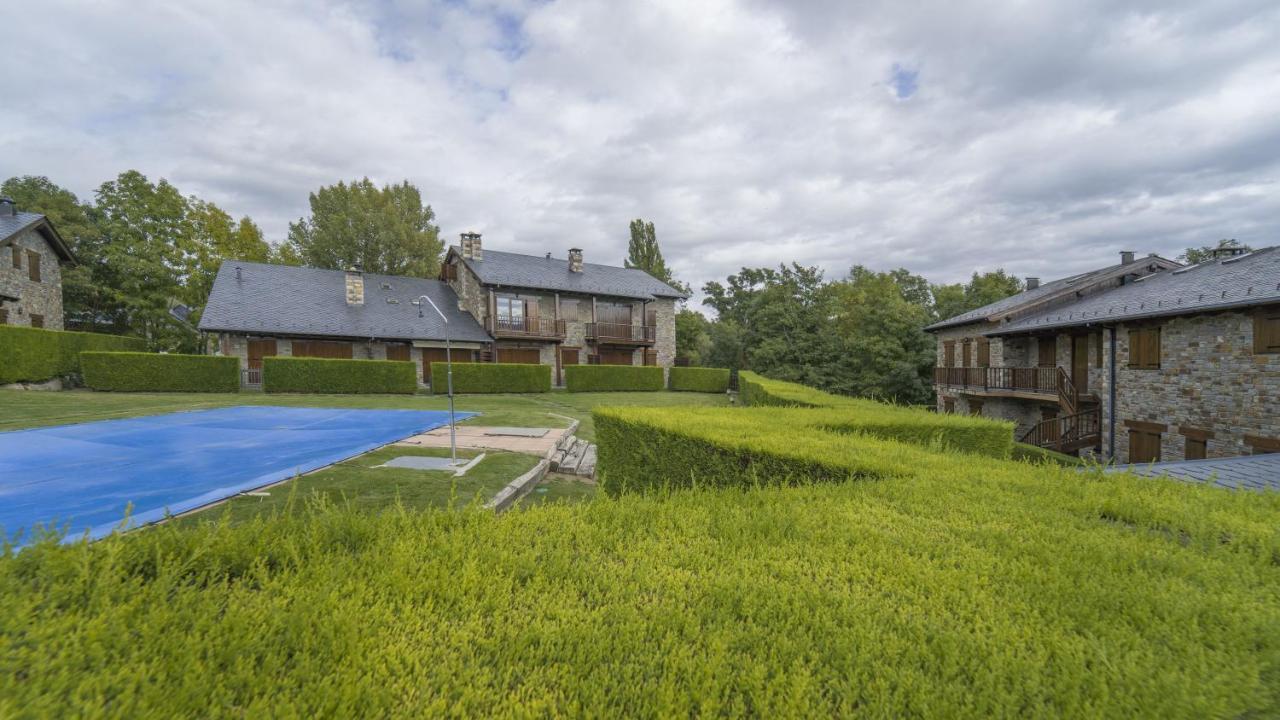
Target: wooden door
949, 353
430, 355
1080, 363
529, 356
1048, 349
259, 349
322, 349
399, 352
1144, 446
615, 357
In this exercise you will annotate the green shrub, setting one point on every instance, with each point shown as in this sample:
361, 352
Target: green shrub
326, 375
152, 372
611, 378
35, 354
983, 590
646, 448
1032, 453
492, 378
697, 379
755, 389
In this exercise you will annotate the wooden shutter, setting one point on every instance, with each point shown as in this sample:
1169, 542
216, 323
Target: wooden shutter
1047, 347
17, 257
1144, 446
1196, 449
1144, 348
37, 321
1097, 350
1266, 330
948, 405
4, 316
33, 266
984, 352
966, 359
259, 349
949, 353
398, 352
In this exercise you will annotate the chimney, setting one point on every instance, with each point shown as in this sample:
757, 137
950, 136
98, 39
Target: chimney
1126, 257
7, 208
1226, 251
1033, 283
575, 260
355, 287
471, 249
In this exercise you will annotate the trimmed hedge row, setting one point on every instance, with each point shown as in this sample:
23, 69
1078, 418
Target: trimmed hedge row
646, 448
612, 378
492, 378
35, 354
756, 389
153, 372
328, 375
698, 379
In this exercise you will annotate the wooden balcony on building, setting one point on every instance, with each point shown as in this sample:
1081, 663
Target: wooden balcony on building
1032, 383
526, 328
620, 333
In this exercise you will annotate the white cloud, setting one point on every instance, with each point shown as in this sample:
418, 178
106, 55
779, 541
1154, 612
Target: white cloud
1040, 137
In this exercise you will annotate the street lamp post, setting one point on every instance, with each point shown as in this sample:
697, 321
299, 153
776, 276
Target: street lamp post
448, 361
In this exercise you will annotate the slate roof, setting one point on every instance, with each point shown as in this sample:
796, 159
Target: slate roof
1251, 472
11, 225
1240, 281
286, 300
1045, 291
542, 273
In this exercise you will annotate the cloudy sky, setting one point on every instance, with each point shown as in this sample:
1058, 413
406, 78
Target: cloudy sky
1040, 136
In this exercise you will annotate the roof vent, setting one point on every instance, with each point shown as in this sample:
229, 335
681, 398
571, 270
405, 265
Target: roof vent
1126, 257
7, 208
1033, 283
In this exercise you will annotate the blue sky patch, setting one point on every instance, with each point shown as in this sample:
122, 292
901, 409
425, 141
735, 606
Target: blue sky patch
903, 81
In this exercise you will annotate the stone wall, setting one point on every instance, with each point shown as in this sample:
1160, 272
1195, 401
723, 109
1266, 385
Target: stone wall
42, 298
665, 334
472, 296
1209, 379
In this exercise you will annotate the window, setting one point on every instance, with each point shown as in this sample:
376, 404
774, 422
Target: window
984, 352
1144, 446
569, 310
33, 266
1196, 449
966, 359
37, 321
4, 316
1144, 348
1047, 347
1266, 330
975, 407
510, 308
949, 353
948, 405
17, 257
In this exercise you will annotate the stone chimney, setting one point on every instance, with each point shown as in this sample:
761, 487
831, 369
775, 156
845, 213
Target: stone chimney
575, 260
471, 249
1126, 257
1033, 283
355, 287
1222, 252
7, 208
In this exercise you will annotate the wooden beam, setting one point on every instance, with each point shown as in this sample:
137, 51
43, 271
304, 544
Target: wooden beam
1145, 426
1195, 433
1262, 444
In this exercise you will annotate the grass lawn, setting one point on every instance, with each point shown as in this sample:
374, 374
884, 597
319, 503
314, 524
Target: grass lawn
359, 484
25, 409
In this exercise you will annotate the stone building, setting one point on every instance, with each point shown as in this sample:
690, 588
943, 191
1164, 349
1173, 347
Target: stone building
564, 311
502, 307
32, 254
1138, 362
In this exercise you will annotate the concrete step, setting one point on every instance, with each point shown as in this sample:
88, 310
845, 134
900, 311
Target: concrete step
587, 468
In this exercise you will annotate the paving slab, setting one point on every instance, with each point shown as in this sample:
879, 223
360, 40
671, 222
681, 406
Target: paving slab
480, 437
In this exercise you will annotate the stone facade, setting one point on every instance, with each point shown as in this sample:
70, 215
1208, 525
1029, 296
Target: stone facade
1209, 379
43, 298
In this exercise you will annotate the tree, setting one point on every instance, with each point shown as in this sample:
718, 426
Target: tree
382, 230
643, 253
885, 353
216, 237
87, 301
982, 289
693, 341
1197, 255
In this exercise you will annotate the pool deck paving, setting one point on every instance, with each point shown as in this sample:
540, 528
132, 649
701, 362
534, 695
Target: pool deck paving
491, 438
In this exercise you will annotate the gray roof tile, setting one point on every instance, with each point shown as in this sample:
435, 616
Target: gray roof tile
1241, 281
286, 300
1251, 472
11, 225
544, 273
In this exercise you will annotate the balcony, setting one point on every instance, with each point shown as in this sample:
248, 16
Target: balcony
620, 333
528, 328
1030, 380
1067, 434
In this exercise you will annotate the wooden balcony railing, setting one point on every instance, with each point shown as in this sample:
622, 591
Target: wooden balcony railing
503, 326
621, 333
1067, 433
1029, 379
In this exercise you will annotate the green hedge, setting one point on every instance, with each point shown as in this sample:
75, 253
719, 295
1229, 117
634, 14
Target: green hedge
492, 378
696, 379
612, 378
152, 372
755, 389
34, 354
1032, 453
645, 448
324, 375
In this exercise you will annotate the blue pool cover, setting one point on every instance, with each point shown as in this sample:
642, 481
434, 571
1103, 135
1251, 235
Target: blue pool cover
82, 477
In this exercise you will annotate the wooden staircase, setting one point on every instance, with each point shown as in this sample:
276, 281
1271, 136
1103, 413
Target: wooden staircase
1078, 427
